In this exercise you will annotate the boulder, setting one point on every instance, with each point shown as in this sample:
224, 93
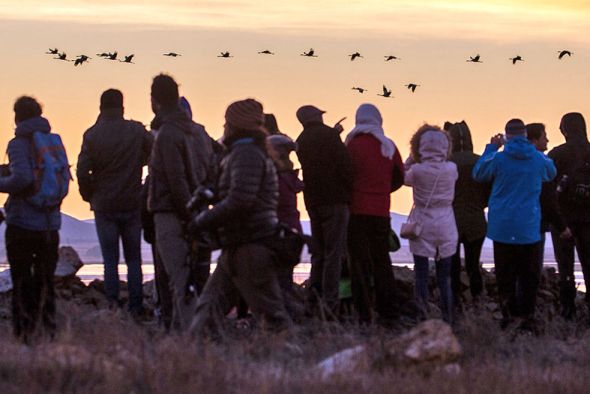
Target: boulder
346, 361
68, 262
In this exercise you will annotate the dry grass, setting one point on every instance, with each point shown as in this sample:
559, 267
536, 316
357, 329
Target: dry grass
105, 352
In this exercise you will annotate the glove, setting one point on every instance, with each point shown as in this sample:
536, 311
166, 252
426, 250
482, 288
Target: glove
192, 226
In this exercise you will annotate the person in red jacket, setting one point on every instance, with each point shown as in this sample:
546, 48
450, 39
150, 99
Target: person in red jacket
377, 172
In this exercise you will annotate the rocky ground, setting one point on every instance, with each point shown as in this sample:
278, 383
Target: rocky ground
102, 350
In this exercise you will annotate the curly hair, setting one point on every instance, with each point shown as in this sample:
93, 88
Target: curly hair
415, 140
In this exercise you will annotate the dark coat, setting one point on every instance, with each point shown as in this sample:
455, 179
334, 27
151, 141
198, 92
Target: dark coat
110, 163
181, 161
326, 166
567, 157
18, 182
471, 197
248, 196
289, 186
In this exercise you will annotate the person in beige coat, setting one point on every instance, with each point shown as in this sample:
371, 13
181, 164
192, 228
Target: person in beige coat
432, 178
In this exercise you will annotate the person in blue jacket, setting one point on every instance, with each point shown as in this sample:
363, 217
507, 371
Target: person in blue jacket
514, 216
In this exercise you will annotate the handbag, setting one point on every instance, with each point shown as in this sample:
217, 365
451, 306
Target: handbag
413, 227
287, 244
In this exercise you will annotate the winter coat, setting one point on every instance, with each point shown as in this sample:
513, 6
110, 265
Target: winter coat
18, 182
110, 163
181, 161
516, 173
248, 197
439, 231
471, 197
567, 157
375, 177
289, 186
326, 166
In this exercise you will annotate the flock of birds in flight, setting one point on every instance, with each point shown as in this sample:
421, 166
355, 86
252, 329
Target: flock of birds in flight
81, 59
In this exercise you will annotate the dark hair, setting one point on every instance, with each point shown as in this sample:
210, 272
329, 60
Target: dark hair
165, 90
270, 124
111, 98
534, 131
26, 107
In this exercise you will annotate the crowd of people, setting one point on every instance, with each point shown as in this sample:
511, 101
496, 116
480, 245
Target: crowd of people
239, 194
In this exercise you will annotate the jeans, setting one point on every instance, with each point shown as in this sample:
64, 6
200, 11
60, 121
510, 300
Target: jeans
328, 230
472, 267
32, 256
369, 261
564, 254
125, 226
517, 276
443, 280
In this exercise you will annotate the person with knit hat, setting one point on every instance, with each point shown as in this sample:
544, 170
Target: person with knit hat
572, 160
378, 170
327, 174
243, 218
514, 216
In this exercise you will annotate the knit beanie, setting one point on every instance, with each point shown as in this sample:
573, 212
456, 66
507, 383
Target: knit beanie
245, 114
514, 128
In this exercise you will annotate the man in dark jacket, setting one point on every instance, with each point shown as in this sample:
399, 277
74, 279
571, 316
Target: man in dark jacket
179, 164
245, 218
109, 172
32, 237
471, 198
327, 174
572, 161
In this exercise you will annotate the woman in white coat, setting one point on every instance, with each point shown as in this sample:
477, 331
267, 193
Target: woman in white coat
432, 178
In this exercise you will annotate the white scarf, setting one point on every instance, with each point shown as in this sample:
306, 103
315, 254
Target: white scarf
387, 146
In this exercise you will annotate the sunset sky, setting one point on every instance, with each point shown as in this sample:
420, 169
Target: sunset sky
433, 39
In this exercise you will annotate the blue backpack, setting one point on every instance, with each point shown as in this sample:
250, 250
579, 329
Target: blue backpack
51, 170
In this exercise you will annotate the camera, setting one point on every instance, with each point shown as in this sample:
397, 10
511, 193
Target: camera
201, 199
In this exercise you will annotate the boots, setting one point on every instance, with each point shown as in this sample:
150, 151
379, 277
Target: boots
567, 298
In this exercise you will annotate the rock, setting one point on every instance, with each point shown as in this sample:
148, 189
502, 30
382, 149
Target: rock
68, 263
346, 361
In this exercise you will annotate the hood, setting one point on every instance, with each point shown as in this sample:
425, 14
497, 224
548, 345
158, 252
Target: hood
184, 104
460, 137
434, 146
574, 125
177, 117
368, 114
519, 148
27, 127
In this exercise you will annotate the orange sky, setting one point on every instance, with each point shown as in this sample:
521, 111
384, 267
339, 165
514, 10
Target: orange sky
433, 38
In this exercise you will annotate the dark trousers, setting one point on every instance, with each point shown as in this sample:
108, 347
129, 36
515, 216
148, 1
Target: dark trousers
125, 226
32, 256
248, 271
443, 280
369, 261
472, 267
329, 226
564, 254
517, 275
163, 291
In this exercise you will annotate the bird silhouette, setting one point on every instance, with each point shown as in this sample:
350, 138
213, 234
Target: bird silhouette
474, 59
360, 90
172, 54
225, 55
128, 59
354, 56
104, 54
517, 58
112, 56
81, 59
386, 92
412, 87
266, 52
563, 53
391, 57
62, 56
311, 53
53, 51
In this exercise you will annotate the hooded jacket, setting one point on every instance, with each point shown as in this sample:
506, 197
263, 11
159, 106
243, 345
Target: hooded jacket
110, 163
181, 161
516, 173
433, 176
18, 183
471, 197
567, 157
289, 186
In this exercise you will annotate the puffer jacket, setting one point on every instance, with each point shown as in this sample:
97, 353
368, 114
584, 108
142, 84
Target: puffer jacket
471, 197
248, 196
181, 161
18, 183
433, 176
514, 215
